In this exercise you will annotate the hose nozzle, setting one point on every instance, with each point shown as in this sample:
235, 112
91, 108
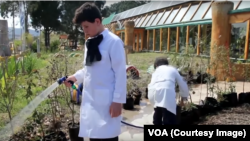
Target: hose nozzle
61, 80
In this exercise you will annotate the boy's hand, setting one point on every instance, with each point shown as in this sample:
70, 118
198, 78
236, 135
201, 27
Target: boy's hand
183, 101
115, 109
70, 78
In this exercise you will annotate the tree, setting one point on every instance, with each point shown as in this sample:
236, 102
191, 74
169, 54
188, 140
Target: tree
45, 14
12, 8
122, 6
68, 26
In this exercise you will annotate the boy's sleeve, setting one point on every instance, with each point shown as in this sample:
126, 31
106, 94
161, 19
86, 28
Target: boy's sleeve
118, 63
184, 91
79, 75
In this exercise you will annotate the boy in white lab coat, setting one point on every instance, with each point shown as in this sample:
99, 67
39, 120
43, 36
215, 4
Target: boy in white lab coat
161, 92
104, 77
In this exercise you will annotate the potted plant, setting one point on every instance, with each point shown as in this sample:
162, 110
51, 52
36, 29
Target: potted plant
244, 97
129, 105
189, 114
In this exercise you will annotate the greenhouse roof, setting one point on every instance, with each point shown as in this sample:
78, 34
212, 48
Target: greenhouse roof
152, 6
164, 13
108, 19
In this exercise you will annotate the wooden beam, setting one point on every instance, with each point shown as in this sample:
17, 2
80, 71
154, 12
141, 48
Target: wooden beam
177, 39
134, 41
168, 15
153, 39
154, 18
239, 17
137, 42
199, 37
196, 10
176, 13
207, 10
186, 11
247, 41
161, 34
187, 38
168, 48
238, 5
161, 16
147, 39
144, 20
149, 18
139, 20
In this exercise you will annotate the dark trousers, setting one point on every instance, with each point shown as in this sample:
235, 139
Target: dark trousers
109, 139
163, 117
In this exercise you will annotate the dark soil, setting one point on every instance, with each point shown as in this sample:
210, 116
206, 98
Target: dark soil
232, 116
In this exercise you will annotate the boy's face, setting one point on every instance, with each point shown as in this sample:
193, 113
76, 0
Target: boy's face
91, 29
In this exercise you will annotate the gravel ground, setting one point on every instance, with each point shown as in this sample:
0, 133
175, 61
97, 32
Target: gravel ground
231, 116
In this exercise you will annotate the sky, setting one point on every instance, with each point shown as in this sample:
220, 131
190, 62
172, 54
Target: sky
17, 20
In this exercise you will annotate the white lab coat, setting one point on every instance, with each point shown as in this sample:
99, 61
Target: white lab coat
161, 90
104, 83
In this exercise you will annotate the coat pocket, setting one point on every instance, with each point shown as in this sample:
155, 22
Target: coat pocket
102, 97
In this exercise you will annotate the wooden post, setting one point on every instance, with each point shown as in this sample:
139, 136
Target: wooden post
129, 36
147, 39
247, 40
199, 39
114, 26
177, 39
168, 48
161, 34
187, 39
153, 39
220, 37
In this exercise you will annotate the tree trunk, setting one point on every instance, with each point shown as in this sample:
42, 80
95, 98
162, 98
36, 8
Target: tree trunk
47, 39
26, 17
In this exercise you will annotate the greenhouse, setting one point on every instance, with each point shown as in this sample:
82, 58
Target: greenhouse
184, 27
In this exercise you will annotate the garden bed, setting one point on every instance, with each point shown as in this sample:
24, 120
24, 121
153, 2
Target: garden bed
231, 116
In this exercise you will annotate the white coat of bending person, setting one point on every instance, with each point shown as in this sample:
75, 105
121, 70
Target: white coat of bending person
161, 92
104, 77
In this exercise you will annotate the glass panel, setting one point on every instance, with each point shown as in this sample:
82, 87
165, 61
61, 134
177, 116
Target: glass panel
201, 11
151, 20
238, 36
180, 15
244, 4
172, 39
193, 39
157, 39
235, 3
190, 13
164, 4
124, 14
154, 5
150, 44
135, 42
145, 8
164, 39
144, 47
164, 17
209, 14
182, 39
157, 19
142, 19
146, 21
136, 22
172, 15
205, 39
123, 36
130, 12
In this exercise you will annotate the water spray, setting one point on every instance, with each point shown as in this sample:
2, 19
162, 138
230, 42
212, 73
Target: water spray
18, 121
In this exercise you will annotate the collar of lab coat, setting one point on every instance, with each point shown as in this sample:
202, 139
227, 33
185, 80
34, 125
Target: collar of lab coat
104, 33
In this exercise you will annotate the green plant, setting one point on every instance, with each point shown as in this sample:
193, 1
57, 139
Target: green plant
8, 85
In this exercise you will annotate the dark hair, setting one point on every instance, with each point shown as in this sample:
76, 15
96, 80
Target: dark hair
160, 61
87, 12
